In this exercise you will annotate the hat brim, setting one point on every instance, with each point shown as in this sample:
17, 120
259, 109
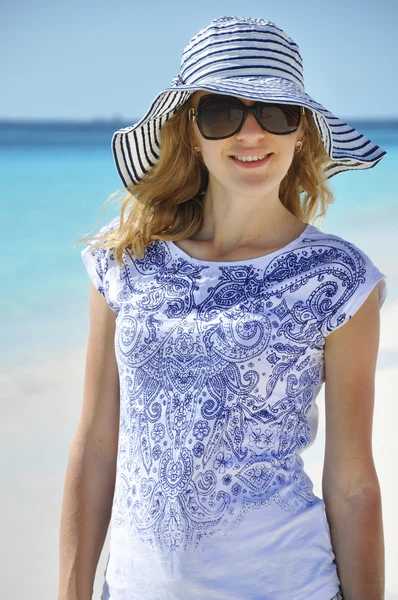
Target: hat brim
136, 148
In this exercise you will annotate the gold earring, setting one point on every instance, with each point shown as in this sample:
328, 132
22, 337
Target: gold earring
197, 150
299, 145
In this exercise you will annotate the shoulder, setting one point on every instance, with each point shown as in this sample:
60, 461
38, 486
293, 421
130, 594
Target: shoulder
348, 276
101, 264
155, 259
333, 240
96, 251
112, 225
342, 255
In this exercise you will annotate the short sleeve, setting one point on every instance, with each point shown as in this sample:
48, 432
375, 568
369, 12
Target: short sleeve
353, 279
103, 269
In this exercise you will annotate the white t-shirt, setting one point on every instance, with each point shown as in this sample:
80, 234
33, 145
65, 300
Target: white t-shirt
220, 365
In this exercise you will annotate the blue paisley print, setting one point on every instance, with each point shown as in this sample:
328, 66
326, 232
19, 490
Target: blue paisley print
220, 365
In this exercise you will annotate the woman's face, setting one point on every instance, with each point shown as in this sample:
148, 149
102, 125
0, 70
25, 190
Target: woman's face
251, 140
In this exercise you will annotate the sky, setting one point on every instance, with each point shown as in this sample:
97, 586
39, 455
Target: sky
109, 60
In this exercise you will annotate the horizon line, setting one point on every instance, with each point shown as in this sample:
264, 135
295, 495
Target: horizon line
121, 120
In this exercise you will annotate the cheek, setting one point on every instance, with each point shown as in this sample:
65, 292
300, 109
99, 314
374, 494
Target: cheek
212, 154
287, 154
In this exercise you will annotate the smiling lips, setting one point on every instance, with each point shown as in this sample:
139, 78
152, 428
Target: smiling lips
251, 161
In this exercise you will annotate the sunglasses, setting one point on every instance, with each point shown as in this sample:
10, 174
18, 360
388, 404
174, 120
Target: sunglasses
219, 117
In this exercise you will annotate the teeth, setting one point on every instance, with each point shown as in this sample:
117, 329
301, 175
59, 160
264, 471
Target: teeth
250, 158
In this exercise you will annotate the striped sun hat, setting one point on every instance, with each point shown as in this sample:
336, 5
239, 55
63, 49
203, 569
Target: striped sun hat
248, 58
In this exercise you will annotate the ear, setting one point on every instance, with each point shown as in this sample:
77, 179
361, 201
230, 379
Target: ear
302, 127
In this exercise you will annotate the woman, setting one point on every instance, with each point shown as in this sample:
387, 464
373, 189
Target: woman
220, 314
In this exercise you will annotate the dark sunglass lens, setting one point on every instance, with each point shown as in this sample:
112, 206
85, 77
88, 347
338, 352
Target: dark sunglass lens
282, 118
219, 117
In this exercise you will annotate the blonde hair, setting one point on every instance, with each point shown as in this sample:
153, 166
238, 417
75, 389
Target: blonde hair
166, 203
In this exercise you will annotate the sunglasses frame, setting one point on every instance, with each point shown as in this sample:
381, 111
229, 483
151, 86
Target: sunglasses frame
194, 115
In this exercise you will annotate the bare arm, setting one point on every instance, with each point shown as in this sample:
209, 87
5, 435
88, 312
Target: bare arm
90, 477
350, 485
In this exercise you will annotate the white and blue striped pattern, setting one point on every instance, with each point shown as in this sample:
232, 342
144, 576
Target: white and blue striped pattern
248, 58
229, 47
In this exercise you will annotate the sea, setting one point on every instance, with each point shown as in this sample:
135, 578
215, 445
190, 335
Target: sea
55, 175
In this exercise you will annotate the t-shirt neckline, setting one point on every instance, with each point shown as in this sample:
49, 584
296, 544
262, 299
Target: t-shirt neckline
247, 261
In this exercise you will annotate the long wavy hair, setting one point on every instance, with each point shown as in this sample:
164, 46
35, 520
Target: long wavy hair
166, 204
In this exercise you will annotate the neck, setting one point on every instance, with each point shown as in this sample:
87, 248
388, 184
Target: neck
231, 222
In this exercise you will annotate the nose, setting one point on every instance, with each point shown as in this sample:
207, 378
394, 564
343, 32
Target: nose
251, 129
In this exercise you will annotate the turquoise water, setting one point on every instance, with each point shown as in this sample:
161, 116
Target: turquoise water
53, 181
